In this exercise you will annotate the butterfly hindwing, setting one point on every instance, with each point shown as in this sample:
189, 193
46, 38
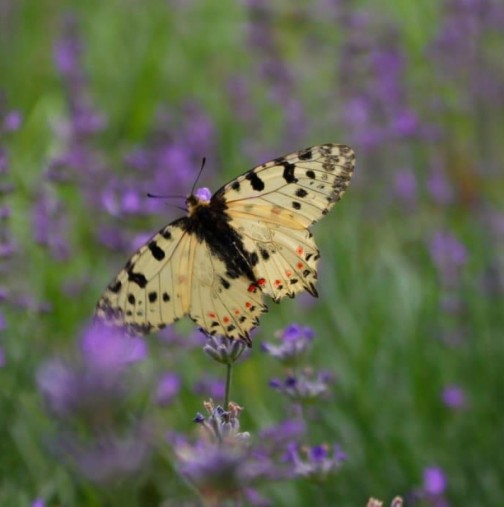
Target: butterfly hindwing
221, 304
273, 205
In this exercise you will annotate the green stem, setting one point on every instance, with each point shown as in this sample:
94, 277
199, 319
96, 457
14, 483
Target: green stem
228, 386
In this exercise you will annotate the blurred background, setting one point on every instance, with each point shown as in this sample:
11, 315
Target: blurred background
102, 102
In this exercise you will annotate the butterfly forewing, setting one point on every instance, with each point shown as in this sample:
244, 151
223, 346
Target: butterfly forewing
149, 292
296, 190
251, 239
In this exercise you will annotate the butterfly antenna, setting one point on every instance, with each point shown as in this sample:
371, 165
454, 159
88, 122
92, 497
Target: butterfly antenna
154, 196
199, 174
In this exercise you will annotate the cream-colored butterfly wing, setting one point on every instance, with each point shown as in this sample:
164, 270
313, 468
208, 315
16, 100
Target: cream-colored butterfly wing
152, 290
273, 205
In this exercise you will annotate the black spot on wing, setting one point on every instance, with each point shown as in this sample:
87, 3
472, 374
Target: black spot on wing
224, 283
301, 192
157, 253
137, 278
235, 185
288, 173
166, 233
310, 174
131, 299
264, 254
152, 297
296, 205
306, 155
166, 297
115, 287
256, 182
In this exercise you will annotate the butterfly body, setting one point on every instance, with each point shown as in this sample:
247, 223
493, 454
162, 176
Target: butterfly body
250, 239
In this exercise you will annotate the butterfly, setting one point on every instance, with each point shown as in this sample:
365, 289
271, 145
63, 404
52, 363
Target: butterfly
250, 239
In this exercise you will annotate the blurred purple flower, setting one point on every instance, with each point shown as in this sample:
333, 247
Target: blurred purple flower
439, 187
305, 387
12, 121
315, 463
2, 321
107, 348
225, 462
210, 387
434, 481
38, 502
50, 225
108, 457
405, 186
449, 256
295, 340
453, 396
168, 388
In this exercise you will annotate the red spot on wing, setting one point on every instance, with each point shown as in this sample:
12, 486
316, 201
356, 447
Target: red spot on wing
226, 320
236, 312
277, 283
288, 273
299, 250
211, 315
261, 282
252, 287
248, 304
299, 265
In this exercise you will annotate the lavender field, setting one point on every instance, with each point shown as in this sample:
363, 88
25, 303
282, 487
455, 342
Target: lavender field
390, 383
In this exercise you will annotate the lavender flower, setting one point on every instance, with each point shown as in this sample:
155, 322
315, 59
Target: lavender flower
304, 388
449, 256
315, 463
224, 350
167, 389
109, 457
454, 397
89, 396
295, 342
225, 463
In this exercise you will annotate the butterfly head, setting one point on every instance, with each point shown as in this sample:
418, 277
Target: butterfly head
201, 197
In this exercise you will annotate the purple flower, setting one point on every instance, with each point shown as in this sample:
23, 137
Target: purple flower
225, 462
224, 350
449, 255
306, 387
167, 389
405, 186
210, 387
315, 463
454, 397
12, 121
295, 340
434, 481
38, 502
108, 457
106, 348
